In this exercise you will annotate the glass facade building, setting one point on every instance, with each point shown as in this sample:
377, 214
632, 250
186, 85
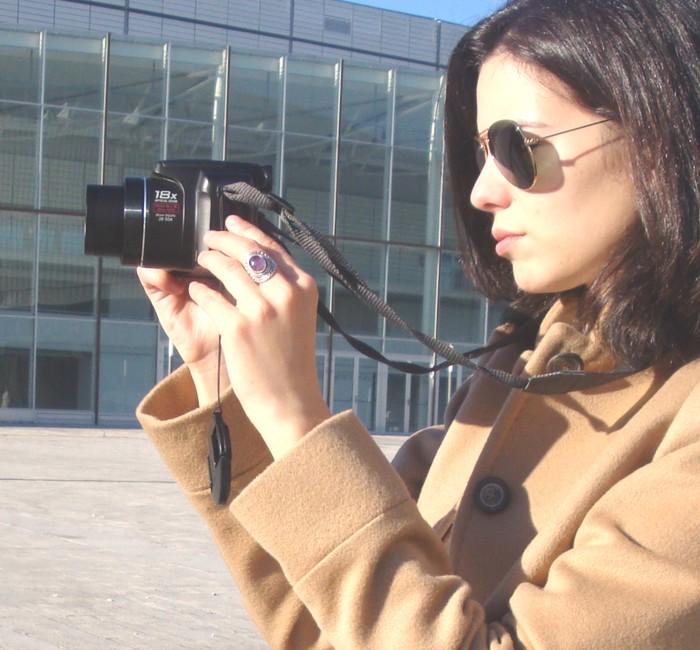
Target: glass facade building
355, 147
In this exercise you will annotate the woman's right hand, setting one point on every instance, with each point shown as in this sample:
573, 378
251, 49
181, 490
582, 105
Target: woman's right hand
188, 327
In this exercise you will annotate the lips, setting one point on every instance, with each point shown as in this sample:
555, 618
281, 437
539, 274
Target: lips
505, 240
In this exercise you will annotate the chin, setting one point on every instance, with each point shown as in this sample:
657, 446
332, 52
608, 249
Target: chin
538, 283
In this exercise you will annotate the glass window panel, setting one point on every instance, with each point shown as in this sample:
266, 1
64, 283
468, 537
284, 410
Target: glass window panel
462, 309
197, 78
496, 312
418, 403
362, 190
411, 288
122, 295
365, 104
136, 79
449, 230
367, 392
255, 91
450, 379
70, 157
19, 127
415, 200
65, 348
16, 338
312, 90
342, 383
340, 345
308, 179
260, 147
321, 371
127, 366
418, 110
174, 360
134, 146
17, 237
395, 402
20, 66
445, 389
193, 140
66, 274
74, 72
408, 346
353, 316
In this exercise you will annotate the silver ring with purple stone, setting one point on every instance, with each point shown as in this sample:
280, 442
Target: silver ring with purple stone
260, 266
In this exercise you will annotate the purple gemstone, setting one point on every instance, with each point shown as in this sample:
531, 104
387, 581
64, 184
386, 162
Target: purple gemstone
257, 263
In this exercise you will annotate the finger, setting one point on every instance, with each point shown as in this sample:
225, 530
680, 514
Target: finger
240, 226
294, 273
237, 246
230, 272
158, 280
215, 306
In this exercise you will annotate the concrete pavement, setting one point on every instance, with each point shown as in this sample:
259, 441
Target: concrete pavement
98, 549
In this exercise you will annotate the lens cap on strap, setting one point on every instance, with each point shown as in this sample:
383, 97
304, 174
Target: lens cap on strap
219, 460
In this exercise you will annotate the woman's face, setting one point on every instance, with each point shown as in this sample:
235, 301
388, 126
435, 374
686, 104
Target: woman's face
557, 235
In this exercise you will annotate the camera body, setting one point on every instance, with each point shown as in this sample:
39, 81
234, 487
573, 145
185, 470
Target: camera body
158, 221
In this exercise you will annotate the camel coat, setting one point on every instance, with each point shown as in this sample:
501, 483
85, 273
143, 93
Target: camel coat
597, 545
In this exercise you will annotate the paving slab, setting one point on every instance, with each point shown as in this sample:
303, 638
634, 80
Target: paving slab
99, 549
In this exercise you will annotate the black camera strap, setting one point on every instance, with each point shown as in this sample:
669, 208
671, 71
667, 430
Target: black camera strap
331, 260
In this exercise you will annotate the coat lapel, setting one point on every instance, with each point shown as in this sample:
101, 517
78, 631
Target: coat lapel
477, 437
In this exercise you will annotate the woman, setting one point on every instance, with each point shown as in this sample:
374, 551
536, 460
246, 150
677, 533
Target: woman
566, 521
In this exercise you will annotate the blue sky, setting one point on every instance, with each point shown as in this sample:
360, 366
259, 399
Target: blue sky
464, 12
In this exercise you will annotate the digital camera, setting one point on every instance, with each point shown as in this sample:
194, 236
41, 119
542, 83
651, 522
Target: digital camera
158, 221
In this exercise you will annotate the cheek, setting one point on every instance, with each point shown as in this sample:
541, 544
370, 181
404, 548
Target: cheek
593, 210
569, 244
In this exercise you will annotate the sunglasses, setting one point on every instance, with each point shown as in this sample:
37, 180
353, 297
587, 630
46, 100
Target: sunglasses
512, 150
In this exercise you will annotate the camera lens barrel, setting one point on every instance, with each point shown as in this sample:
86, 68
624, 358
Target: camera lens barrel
114, 220
135, 211
104, 220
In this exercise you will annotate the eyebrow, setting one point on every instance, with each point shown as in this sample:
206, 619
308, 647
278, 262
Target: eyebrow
523, 124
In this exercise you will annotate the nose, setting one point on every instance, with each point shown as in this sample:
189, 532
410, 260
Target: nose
491, 191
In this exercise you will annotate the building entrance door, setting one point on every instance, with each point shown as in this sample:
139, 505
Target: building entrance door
398, 396
355, 387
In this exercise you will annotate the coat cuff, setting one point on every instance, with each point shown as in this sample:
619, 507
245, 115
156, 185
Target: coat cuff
331, 484
180, 431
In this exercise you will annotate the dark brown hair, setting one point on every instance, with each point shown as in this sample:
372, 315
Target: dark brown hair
638, 63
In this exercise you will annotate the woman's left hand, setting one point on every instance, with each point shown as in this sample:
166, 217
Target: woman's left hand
267, 333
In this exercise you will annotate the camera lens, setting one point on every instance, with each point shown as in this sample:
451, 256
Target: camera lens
114, 220
104, 220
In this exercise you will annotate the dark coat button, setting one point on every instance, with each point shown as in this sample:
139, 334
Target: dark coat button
566, 361
491, 495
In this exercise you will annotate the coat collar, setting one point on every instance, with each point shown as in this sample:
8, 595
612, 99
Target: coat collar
607, 405
489, 407
561, 332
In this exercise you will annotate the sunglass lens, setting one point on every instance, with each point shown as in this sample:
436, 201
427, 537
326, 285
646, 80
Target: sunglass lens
512, 155
480, 155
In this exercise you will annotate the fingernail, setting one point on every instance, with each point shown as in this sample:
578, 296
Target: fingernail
233, 220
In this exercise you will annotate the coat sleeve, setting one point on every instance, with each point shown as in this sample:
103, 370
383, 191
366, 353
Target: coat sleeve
352, 544
179, 430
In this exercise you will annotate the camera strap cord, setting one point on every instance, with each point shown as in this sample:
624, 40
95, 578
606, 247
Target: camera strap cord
331, 260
